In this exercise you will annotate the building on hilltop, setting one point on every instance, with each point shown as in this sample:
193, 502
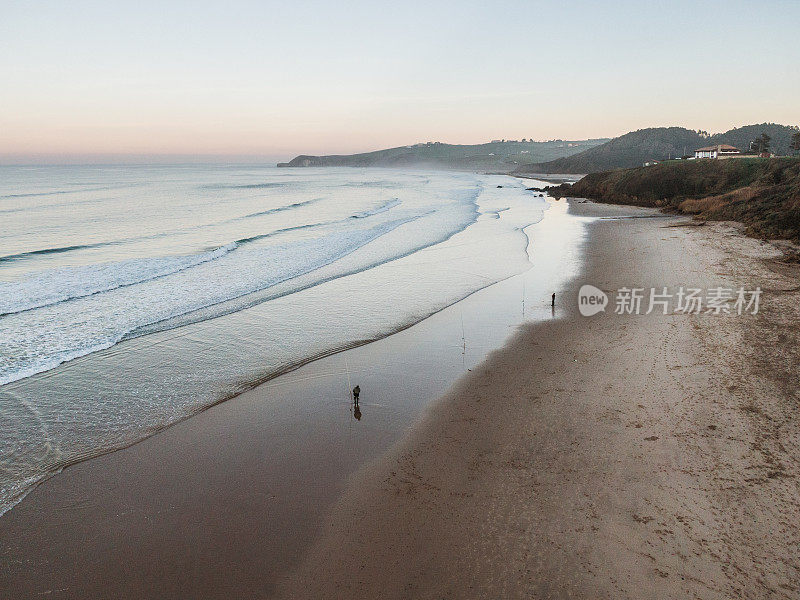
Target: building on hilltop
718, 151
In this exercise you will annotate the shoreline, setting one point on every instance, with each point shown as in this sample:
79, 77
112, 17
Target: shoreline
555, 178
537, 473
233, 456
172, 375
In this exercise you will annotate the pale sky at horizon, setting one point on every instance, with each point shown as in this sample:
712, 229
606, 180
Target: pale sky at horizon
275, 79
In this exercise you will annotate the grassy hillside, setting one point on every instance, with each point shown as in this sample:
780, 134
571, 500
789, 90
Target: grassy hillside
764, 194
502, 156
659, 143
629, 150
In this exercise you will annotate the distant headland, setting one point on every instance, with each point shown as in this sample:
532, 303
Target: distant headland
526, 156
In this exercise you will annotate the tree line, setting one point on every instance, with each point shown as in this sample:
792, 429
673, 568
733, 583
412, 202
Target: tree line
762, 143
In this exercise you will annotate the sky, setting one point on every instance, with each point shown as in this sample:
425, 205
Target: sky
84, 80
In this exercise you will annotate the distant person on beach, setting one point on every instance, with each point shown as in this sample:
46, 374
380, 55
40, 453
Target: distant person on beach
356, 408
554, 300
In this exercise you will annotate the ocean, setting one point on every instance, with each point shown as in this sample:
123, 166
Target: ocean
132, 297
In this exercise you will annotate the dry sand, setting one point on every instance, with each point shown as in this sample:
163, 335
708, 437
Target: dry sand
605, 457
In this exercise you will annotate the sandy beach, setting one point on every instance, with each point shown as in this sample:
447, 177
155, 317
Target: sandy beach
606, 457
613, 456
415, 301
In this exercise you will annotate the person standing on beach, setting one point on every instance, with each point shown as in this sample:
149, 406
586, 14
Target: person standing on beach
356, 408
553, 303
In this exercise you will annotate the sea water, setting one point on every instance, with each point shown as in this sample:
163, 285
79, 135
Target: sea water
134, 296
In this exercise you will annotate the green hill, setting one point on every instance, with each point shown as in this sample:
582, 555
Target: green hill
763, 193
742, 136
501, 156
659, 143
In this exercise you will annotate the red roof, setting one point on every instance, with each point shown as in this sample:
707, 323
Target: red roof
717, 147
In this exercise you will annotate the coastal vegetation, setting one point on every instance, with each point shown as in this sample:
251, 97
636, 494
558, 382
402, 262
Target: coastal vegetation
795, 143
762, 193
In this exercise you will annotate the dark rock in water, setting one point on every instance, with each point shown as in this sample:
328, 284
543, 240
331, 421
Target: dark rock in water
499, 186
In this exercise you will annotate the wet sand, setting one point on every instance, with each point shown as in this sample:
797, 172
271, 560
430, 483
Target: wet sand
226, 503
605, 457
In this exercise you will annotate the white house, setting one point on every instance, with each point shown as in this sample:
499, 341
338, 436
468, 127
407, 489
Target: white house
718, 151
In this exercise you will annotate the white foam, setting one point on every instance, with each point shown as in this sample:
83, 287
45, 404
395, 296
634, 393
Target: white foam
38, 340
58, 285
